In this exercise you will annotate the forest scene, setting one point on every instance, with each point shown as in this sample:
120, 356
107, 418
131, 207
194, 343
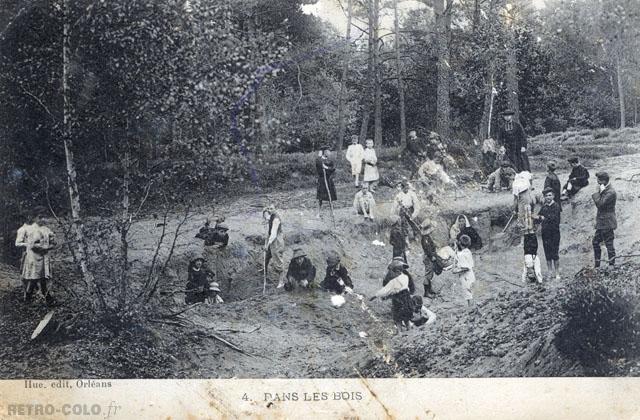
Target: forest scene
134, 130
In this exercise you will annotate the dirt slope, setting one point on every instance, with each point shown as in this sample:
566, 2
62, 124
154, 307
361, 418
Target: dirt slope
301, 335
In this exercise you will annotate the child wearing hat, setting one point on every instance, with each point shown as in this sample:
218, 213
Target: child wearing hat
464, 268
578, 178
500, 179
301, 271
336, 279
364, 203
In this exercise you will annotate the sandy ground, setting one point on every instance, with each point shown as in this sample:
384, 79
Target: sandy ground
299, 334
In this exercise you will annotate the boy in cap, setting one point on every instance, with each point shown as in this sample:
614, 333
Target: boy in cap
605, 200
549, 216
300, 272
552, 182
336, 279
364, 203
464, 269
355, 153
398, 290
578, 178
500, 179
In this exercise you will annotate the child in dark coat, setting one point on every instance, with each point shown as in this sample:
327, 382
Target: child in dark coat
336, 279
549, 217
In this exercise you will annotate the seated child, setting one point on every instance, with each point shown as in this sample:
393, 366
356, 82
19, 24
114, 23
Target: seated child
422, 315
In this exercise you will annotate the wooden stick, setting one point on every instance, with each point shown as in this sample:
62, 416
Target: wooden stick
326, 185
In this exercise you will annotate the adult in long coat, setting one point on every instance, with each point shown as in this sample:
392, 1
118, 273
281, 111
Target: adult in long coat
512, 137
605, 201
325, 168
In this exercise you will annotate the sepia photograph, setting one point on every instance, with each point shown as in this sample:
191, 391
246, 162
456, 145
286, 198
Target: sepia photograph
317, 189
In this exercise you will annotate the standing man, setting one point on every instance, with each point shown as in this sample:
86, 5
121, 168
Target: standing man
355, 153
35, 268
325, 168
274, 248
605, 201
512, 137
578, 178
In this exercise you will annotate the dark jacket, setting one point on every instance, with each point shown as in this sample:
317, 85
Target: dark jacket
512, 136
580, 176
397, 237
605, 202
552, 181
332, 276
304, 271
428, 247
551, 214
321, 192
197, 285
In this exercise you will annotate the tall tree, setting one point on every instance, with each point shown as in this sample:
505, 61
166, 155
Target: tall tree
343, 81
442, 10
403, 123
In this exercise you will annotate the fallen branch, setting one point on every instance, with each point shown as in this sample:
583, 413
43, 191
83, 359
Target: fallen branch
238, 331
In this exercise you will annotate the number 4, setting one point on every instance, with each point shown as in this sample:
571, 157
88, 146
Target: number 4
245, 398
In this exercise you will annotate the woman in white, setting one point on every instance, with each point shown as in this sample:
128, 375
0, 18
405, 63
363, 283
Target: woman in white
35, 267
355, 153
370, 160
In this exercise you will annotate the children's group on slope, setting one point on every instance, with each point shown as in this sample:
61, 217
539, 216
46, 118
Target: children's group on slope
203, 283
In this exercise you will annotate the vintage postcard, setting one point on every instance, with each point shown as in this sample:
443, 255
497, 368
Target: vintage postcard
319, 208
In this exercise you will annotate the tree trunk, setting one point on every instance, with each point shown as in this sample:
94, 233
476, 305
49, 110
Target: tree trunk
74, 195
343, 83
124, 229
620, 92
487, 111
443, 108
403, 124
377, 79
512, 74
366, 108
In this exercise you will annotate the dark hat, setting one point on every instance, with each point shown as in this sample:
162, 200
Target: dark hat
548, 190
505, 164
401, 260
602, 175
508, 112
396, 265
551, 165
196, 258
298, 253
573, 159
465, 240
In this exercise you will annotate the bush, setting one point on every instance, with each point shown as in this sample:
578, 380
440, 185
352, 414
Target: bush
602, 320
601, 133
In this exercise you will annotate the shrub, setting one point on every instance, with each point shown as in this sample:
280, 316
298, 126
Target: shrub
604, 132
602, 320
